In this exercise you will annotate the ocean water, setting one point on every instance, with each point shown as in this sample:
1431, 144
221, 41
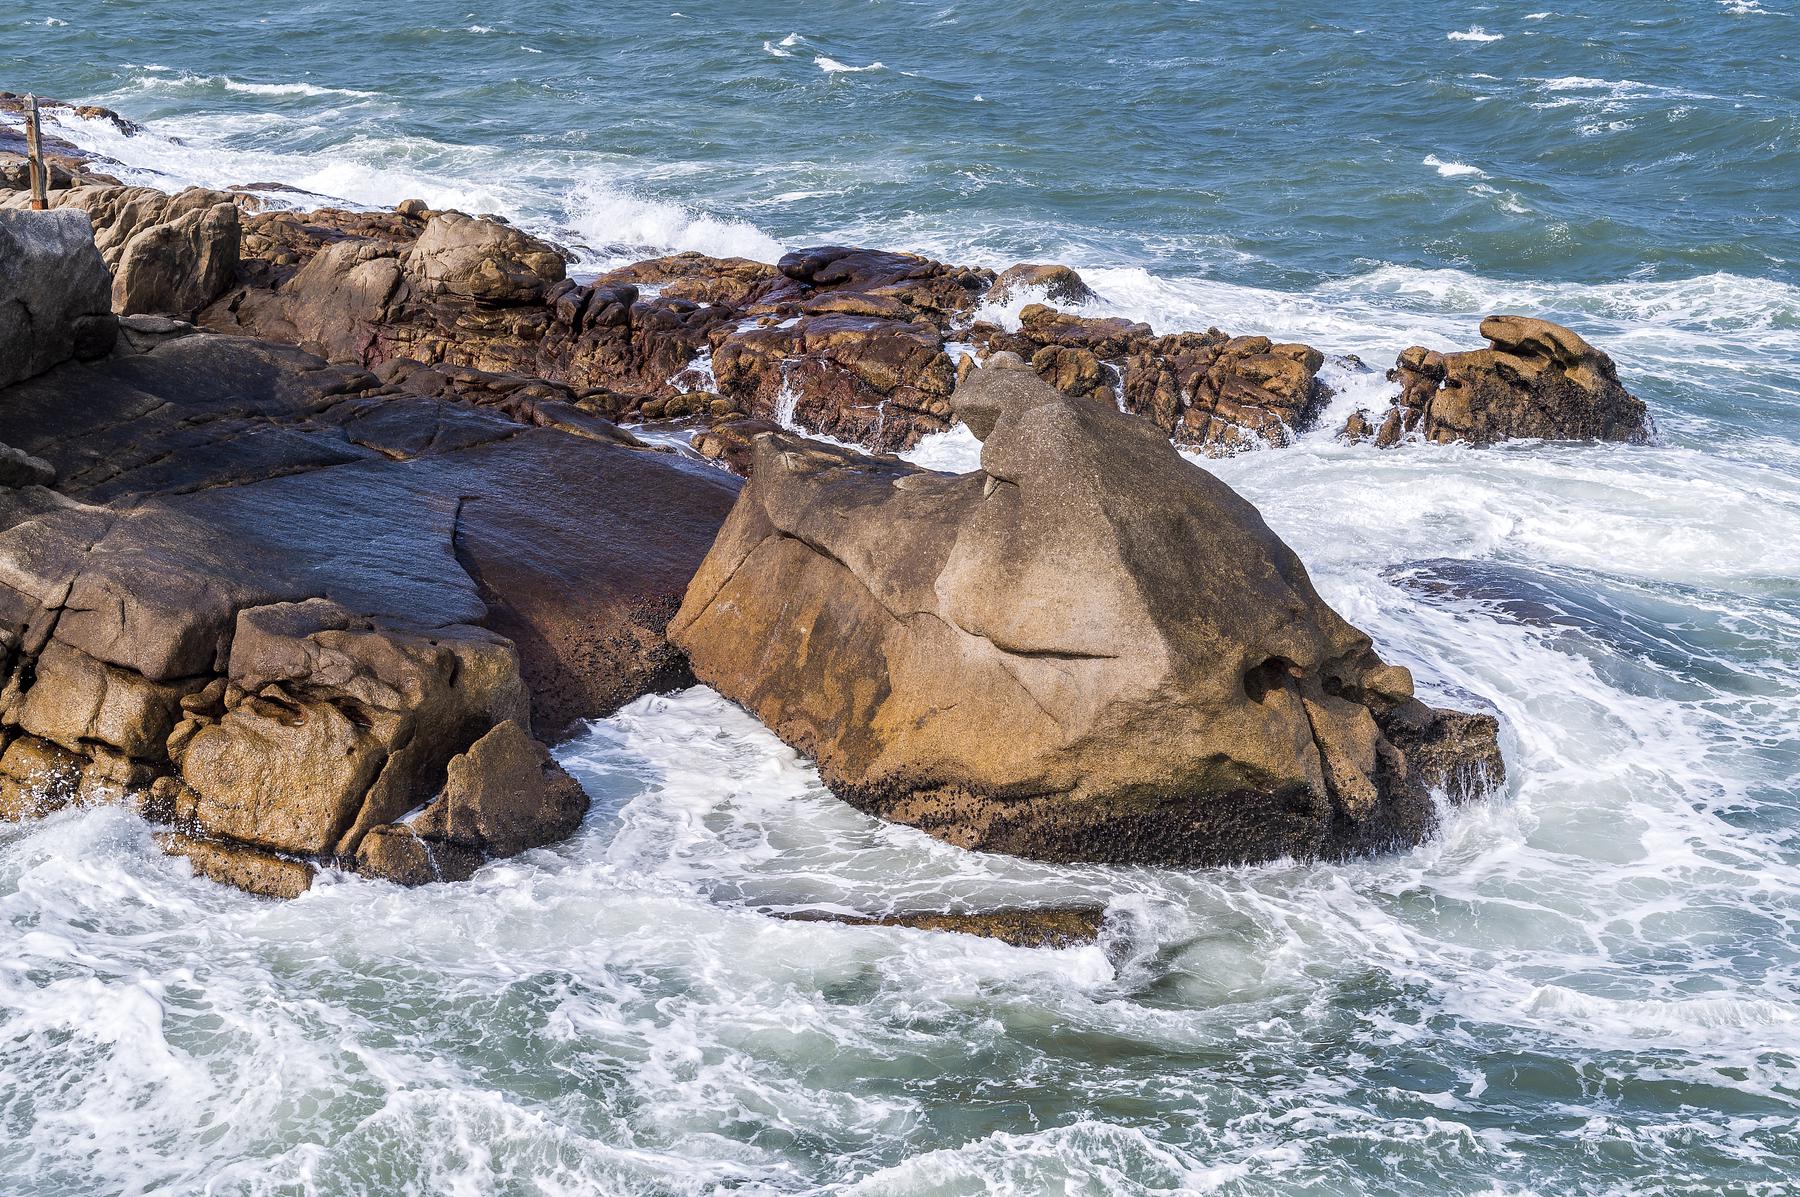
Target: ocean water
1588, 985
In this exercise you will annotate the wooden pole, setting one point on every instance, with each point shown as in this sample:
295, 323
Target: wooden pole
34, 148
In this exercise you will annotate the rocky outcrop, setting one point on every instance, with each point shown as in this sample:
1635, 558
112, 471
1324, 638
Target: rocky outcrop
53, 293
857, 344
920, 285
168, 254
859, 377
1087, 650
700, 278
1536, 379
1207, 391
306, 615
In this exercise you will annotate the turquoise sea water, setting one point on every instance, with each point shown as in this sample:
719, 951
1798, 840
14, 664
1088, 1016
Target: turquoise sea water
1590, 984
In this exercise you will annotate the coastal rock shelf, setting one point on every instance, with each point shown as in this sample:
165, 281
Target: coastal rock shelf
307, 615
1088, 650
857, 344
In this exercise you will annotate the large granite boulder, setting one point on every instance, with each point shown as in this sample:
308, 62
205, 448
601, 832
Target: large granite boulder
1087, 650
54, 293
288, 606
482, 259
1536, 379
169, 254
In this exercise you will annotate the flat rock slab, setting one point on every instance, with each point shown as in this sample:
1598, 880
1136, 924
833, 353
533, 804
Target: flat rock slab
281, 600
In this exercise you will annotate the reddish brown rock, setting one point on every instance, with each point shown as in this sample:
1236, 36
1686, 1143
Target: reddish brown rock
734, 282
1215, 393
878, 382
1536, 380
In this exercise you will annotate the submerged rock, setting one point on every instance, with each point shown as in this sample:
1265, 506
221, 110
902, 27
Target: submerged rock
1087, 650
1537, 379
1058, 284
1020, 926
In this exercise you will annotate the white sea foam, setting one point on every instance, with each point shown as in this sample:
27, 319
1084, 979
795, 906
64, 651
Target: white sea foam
1454, 170
771, 48
1474, 34
188, 82
832, 66
611, 218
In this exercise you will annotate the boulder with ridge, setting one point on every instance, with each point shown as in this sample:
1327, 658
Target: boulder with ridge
1089, 649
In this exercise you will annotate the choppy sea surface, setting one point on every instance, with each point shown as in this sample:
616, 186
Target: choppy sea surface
1589, 985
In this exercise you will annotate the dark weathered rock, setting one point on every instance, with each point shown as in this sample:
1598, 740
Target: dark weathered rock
1020, 926
732, 443
879, 382
280, 600
502, 796
1537, 380
925, 287
1206, 390
54, 292
1087, 650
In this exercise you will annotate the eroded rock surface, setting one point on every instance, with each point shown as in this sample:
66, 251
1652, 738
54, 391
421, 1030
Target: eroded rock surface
285, 605
1536, 379
1020, 926
1087, 650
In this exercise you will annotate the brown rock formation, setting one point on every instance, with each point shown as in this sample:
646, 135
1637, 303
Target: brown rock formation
1058, 284
1087, 650
1206, 390
283, 604
1537, 379
169, 254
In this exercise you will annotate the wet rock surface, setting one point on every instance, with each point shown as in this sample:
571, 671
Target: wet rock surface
1020, 926
1087, 650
